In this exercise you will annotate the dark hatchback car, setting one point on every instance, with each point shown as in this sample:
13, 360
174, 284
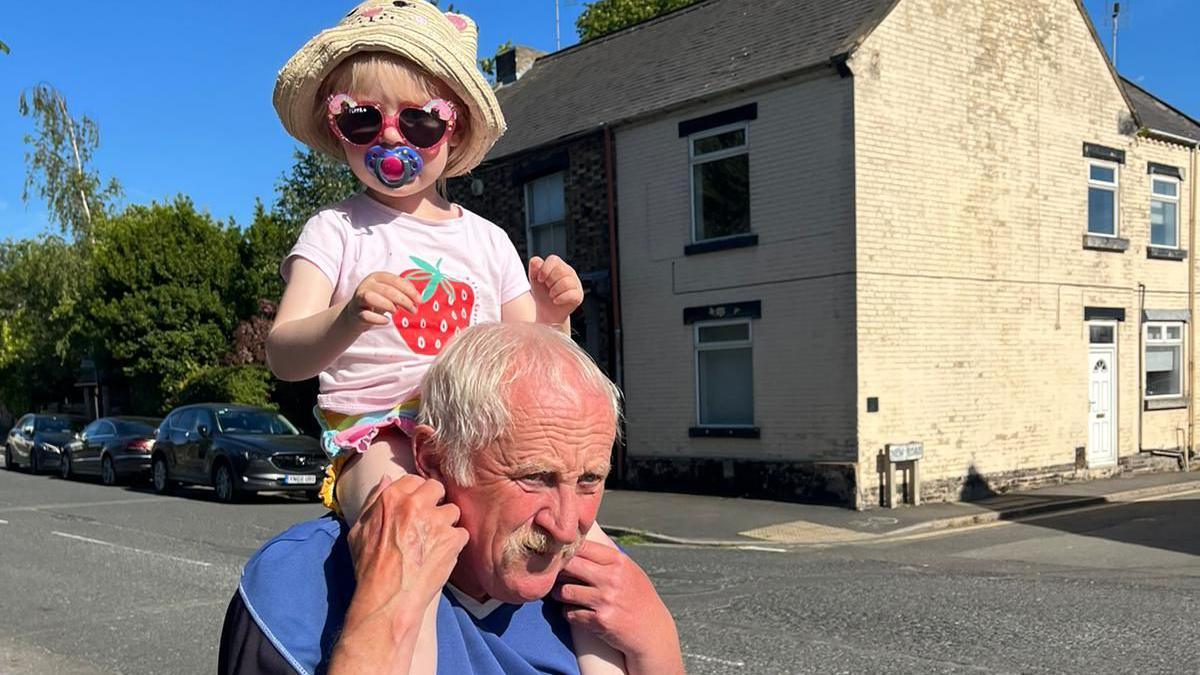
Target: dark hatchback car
236, 449
114, 448
36, 440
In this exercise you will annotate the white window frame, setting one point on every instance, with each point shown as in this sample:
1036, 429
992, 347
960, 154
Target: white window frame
1180, 342
1114, 187
530, 226
698, 347
693, 160
1155, 197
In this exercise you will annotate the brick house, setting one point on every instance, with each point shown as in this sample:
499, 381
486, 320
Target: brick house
893, 221
551, 194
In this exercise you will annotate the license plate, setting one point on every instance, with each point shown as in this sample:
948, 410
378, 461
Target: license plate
299, 480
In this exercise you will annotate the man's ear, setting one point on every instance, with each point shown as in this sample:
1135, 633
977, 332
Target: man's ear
424, 453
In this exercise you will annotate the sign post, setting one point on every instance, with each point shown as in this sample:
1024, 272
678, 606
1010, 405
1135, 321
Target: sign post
909, 456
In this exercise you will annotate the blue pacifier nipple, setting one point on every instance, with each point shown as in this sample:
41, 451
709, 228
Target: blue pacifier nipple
394, 167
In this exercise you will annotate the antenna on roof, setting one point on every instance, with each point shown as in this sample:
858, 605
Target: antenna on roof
557, 28
1116, 26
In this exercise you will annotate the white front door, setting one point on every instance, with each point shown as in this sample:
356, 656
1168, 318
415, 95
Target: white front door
1102, 412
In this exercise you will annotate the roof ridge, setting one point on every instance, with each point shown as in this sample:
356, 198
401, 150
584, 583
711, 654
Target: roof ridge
1158, 98
583, 44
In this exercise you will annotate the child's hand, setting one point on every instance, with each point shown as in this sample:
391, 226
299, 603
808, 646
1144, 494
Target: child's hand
556, 289
377, 297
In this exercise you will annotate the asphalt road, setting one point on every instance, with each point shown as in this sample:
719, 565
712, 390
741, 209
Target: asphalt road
111, 580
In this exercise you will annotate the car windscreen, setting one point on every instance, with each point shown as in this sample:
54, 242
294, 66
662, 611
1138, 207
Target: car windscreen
59, 424
254, 422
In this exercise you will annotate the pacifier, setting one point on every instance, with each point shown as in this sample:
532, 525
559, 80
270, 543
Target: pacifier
394, 167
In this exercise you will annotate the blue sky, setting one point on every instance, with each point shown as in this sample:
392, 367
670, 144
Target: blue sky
181, 90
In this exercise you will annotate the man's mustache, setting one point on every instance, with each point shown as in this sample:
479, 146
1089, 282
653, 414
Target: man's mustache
533, 539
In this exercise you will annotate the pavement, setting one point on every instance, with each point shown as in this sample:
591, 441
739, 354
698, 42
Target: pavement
721, 521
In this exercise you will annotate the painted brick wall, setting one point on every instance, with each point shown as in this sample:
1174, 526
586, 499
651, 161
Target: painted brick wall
801, 271
502, 201
971, 208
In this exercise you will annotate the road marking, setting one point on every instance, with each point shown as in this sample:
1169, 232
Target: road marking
3, 522
763, 548
713, 659
130, 548
74, 505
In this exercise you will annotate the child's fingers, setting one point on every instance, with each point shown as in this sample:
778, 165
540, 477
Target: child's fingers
375, 301
552, 269
410, 291
398, 298
564, 284
373, 318
568, 299
535, 269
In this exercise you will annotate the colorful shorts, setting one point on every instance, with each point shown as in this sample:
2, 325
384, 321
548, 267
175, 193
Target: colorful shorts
344, 436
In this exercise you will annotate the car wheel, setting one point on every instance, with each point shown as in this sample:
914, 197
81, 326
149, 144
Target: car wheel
9, 462
64, 466
160, 477
225, 484
108, 472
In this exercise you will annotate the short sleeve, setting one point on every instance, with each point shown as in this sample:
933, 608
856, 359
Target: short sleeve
513, 280
322, 243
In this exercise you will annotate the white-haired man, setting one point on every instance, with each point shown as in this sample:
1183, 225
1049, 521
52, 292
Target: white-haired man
513, 444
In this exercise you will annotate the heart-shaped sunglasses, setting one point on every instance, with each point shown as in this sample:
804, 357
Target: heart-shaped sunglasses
363, 123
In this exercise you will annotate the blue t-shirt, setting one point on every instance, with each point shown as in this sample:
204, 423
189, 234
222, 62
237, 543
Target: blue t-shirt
298, 586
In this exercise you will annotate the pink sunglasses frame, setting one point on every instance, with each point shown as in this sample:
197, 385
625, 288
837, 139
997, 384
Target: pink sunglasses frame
445, 111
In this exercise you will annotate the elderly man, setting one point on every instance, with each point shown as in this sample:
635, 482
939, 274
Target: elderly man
512, 445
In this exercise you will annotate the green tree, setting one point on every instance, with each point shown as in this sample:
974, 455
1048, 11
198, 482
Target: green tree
58, 162
602, 17
248, 385
315, 180
35, 275
4, 48
159, 306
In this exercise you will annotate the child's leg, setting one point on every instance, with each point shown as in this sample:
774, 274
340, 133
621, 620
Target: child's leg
595, 656
389, 455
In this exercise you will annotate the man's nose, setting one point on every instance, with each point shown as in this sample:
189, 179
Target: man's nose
561, 519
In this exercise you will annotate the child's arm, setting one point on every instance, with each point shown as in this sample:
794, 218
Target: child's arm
608, 595
555, 291
308, 334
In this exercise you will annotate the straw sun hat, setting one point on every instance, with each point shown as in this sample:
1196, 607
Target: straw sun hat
443, 44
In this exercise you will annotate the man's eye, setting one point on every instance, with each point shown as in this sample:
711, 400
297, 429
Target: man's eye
590, 478
544, 478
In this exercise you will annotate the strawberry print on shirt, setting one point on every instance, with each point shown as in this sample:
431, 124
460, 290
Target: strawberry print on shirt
445, 307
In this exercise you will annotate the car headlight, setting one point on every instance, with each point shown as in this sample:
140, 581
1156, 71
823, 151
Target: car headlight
52, 448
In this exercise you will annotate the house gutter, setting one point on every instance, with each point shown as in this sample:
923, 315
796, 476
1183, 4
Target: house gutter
1191, 431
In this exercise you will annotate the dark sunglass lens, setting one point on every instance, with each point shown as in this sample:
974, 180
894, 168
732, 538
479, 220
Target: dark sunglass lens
422, 129
360, 124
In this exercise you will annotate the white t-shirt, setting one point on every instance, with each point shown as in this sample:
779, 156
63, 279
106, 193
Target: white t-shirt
473, 267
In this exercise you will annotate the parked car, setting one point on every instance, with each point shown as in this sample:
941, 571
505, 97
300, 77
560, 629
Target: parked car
236, 449
36, 440
114, 448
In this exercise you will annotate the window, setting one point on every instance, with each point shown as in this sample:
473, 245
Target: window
1102, 198
1101, 333
104, 428
720, 164
546, 215
1164, 359
1164, 211
184, 421
724, 377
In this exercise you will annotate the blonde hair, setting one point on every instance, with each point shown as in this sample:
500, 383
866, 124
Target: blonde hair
358, 69
466, 393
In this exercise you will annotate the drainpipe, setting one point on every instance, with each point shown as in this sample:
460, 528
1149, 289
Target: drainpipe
614, 284
1191, 429
1141, 376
